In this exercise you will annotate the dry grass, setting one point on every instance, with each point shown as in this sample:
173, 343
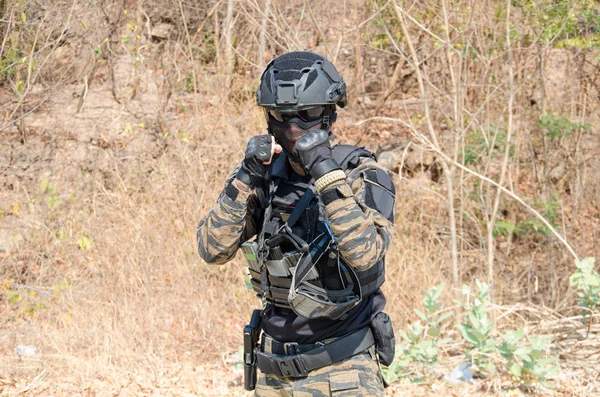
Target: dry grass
141, 158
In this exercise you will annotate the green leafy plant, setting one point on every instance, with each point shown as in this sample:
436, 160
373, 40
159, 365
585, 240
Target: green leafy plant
433, 317
526, 362
479, 146
26, 301
564, 23
185, 137
525, 359
8, 64
207, 51
586, 282
557, 127
510, 349
422, 339
477, 326
84, 242
505, 228
549, 210
186, 85
31, 301
537, 366
387, 20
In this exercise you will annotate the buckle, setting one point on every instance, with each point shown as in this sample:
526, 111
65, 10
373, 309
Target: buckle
292, 367
290, 348
262, 254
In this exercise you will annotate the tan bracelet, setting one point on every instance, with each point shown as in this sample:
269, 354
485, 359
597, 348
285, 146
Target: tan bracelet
330, 177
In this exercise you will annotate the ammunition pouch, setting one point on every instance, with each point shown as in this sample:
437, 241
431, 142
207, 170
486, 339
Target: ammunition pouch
385, 341
296, 280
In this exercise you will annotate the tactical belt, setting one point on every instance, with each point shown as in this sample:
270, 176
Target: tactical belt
287, 348
317, 356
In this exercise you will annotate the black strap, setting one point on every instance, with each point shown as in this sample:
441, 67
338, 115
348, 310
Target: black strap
324, 167
262, 247
299, 365
287, 348
308, 195
310, 259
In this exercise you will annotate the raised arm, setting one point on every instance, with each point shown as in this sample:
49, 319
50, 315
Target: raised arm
360, 214
233, 220
359, 204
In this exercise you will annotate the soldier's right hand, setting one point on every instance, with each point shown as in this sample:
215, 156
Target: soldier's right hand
259, 153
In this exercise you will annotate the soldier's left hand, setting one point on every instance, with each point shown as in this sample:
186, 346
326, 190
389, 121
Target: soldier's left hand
315, 154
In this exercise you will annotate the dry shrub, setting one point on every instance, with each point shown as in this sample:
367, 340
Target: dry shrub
102, 274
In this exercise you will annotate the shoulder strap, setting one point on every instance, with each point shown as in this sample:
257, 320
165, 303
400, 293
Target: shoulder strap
302, 204
348, 156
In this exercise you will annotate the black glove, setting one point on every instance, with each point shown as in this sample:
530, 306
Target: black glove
314, 152
258, 151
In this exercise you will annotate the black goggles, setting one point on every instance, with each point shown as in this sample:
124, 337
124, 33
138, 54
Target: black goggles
306, 115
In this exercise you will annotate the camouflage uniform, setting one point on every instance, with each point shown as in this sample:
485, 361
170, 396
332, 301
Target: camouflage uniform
358, 375
363, 236
362, 233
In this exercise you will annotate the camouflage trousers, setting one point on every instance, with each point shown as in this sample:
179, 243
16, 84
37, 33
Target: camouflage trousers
356, 376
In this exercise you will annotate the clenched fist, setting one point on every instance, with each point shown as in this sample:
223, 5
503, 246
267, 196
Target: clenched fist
315, 154
259, 153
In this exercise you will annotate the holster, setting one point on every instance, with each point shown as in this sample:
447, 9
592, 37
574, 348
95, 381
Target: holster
251, 334
383, 332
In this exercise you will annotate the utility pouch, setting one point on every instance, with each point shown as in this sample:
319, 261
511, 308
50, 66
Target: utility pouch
251, 334
383, 332
250, 250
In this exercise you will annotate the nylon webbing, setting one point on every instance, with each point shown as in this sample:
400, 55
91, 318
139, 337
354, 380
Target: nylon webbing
299, 365
302, 204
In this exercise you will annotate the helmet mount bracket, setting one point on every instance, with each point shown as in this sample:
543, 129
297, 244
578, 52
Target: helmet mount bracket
286, 94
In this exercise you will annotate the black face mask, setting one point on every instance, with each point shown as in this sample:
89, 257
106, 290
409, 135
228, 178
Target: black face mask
287, 133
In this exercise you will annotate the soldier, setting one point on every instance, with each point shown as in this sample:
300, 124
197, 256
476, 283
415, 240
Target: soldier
314, 222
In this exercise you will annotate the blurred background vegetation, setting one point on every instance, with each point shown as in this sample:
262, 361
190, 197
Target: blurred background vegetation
120, 120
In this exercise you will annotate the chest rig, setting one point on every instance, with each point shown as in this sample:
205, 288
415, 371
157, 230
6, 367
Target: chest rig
294, 262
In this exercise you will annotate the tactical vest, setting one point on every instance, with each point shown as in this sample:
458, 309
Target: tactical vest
294, 220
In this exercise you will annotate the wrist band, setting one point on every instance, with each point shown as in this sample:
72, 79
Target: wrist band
245, 176
330, 177
324, 167
330, 195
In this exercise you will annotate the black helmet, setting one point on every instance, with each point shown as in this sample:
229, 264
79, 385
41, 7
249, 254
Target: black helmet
299, 92
300, 80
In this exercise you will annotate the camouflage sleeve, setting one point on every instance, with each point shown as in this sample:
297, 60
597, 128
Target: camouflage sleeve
228, 224
361, 231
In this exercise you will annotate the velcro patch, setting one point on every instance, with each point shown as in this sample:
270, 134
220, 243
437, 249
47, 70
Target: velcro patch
231, 192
